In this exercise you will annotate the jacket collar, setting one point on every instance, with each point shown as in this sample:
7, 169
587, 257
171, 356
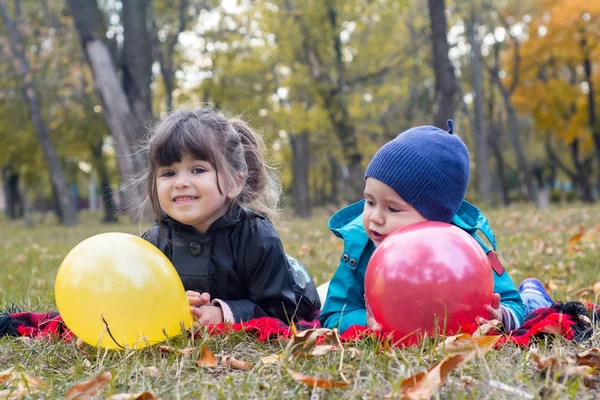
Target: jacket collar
230, 218
347, 225
470, 219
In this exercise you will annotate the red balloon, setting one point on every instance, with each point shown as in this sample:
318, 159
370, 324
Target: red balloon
426, 278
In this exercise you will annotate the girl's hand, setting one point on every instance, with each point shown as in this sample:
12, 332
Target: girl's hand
371, 323
197, 299
207, 315
494, 311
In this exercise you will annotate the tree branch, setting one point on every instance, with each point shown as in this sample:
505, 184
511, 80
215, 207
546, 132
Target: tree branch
557, 160
517, 58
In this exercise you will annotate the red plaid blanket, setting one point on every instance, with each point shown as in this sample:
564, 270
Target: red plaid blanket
573, 321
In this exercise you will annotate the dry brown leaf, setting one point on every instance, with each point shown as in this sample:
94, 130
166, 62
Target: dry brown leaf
311, 381
353, 352
272, 359
425, 384
579, 370
596, 288
466, 343
237, 364
304, 341
151, 371
573, 241
89, 388
206, 358
81, 346
13, 393
21, 380
134, 396
186, 352
543, 363
590, 358
165, 349
486, 328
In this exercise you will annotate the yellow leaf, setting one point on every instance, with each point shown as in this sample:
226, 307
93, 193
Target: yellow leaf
573, 241
466, 343
206, 358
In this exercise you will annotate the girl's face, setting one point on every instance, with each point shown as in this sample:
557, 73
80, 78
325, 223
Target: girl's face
189, 193
385, 211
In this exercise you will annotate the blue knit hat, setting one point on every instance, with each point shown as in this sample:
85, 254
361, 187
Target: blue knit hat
428, 167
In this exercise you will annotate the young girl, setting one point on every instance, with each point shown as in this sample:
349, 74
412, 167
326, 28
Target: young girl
421, 175
213, 196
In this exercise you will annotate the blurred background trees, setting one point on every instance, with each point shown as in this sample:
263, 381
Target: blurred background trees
327, 82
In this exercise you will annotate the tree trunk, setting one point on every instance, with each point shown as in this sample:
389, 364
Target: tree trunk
63, 196
593, 122
500, 164
335, 177
445, 80
581, 174
480, 128
137, 62
300, 190
117, 112
110, 211
514, 135
346, 133
12, 197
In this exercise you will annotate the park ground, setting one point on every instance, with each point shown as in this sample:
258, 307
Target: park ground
560, 246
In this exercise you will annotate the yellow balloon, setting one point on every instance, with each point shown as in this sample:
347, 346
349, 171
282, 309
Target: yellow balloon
116, 290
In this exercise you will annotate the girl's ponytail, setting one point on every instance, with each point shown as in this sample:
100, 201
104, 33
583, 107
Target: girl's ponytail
261, 189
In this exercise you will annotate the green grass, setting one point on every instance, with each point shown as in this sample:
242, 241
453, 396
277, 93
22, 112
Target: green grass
531, 242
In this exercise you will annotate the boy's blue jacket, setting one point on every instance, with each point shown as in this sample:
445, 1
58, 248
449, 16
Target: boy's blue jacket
345, 305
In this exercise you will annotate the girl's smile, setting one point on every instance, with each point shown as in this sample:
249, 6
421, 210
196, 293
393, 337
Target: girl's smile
185, 199
189, 192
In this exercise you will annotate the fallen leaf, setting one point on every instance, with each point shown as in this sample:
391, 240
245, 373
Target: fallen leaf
596, 288
134, 396
21, 380
590, 358
311, 381
274, 358
543, 363
14, 393
185, 352
486, 328
81, 346
353, 352
466, 343
165, 349
89, 388
573, 241
425, 384
151, 371
579, 370
305, 340
206, 358
237, 364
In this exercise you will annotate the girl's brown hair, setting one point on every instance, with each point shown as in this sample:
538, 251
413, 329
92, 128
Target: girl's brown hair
229, 145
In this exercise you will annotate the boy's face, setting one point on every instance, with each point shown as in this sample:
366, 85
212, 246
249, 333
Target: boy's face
385, 211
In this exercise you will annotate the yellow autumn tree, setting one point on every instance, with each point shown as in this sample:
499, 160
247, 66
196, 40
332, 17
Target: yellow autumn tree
560, 79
